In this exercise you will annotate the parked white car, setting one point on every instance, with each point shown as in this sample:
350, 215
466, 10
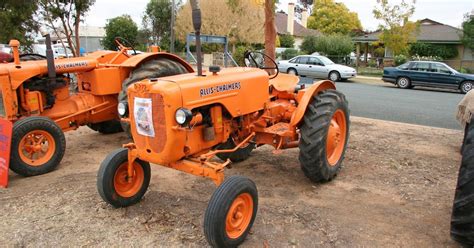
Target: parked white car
317, 67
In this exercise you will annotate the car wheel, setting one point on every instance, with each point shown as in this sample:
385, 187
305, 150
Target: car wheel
466, 86
292, 71
404, 82
334, 76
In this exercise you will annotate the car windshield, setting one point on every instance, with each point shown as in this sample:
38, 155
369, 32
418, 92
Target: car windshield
325, 60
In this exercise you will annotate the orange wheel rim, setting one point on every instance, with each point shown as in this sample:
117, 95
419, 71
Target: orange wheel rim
336, 138
126, 186
239, 215
36, 148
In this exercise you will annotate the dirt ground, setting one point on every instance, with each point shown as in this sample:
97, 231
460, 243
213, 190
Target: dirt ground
396, 189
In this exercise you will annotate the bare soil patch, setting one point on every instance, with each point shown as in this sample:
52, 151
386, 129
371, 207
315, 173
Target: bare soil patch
396, 189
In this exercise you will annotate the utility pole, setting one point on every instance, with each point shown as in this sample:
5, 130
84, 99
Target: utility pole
173, 9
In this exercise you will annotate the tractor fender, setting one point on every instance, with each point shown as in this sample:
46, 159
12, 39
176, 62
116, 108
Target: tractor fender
306, 99
134, 61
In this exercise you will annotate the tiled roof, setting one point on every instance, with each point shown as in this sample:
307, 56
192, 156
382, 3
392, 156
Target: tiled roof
281, 20
429, 31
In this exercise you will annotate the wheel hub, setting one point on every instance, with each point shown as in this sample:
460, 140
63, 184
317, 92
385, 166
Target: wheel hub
36, 147
336, 137
125, 185
239, 215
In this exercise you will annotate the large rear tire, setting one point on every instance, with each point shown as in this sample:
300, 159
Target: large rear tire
462, 218
155, 68
324, 136
231, 212
38, 146
113, 183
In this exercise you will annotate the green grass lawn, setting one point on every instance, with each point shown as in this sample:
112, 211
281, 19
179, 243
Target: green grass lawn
369, 71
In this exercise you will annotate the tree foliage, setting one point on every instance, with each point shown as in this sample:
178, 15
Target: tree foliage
16, 18
121, 26
330, 17
438, 50
397, 30
69, 14
468, 32
287, 41
242, 22
156, 21
330, 45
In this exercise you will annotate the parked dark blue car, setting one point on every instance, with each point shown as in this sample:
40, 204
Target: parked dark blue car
428, 73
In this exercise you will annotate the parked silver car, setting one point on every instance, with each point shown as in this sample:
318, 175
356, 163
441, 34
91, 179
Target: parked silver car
316, 66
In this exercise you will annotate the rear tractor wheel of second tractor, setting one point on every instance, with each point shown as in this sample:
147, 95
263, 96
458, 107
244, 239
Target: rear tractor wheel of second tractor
155, 68
114, 184
231, 212
107, 127
37, 147
238, 156
324, 136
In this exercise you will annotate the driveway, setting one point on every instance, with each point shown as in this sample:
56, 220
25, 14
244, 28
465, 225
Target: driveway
422, 106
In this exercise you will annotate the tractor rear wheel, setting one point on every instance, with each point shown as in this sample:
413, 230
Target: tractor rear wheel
231, 212
106, 127
462, 218
38, 145
238, 156
324, 136
115, 186
155, 68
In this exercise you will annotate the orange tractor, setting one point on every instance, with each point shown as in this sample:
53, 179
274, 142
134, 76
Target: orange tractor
35, 96
184, 121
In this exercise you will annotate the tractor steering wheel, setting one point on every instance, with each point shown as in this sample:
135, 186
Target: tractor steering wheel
257, 59
121, 42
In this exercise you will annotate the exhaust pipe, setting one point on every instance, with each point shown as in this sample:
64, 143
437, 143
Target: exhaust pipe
197, 32
50, 99
50, 60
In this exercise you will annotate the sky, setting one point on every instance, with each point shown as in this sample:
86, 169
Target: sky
449, 12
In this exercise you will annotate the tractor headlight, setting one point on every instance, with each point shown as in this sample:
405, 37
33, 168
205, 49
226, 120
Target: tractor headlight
122, 108
183, 116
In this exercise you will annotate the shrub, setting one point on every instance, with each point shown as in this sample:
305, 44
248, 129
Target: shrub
372, 63
437, 50
400, 59
331, 45
426, 58
379, 52
289, 53
465, 70
238, 55
309, 44
287, 41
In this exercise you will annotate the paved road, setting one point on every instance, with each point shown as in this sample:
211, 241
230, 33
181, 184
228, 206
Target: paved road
428, 107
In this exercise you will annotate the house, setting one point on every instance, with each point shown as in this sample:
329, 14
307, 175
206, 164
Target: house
287, 24
429, 31
89, 37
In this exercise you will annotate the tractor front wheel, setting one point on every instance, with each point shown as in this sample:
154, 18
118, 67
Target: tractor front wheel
231, 212
38, 146
114, 184
324, 136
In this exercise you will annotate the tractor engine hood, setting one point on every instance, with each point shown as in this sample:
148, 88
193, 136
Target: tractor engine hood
153, 104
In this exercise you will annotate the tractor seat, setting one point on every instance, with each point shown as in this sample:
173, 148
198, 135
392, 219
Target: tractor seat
285, 82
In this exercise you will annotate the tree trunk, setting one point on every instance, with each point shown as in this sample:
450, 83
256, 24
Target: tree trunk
270, 31
77, 21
